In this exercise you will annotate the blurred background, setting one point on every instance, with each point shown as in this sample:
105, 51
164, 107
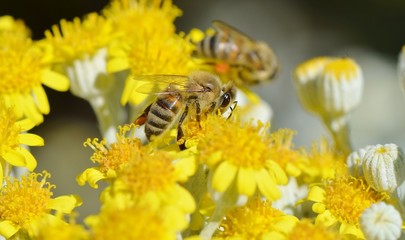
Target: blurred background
371, 32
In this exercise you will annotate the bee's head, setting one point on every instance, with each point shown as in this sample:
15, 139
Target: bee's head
228, 95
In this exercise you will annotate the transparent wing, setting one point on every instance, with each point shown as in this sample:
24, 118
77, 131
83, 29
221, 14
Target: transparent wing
160, 84
239, 36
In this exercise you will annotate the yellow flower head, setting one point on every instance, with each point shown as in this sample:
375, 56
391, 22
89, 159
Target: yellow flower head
137, 223
22, 202
154, 179
304, 230
150, 46
255, 220
240, 153
49, 230
78, 38
9, 25
323, 163
341, 201
12, 136
110, 158
23, 70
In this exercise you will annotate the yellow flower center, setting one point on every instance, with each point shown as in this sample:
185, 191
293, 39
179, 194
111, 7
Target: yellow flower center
348, 197
132, 223
20, 68
118, 153
243, 145
342, 69
250, 221
24, 200
304, 230
76, 39
153, 172
9, 131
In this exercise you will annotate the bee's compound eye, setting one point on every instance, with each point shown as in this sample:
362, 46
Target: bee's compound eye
226, 99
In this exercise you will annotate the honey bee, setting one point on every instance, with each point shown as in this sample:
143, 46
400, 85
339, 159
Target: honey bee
184, 98
237, 56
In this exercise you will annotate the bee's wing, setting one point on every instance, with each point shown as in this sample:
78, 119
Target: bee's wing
160, 84
239, 36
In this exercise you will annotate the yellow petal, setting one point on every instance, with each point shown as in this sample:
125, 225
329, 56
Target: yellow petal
184, 199
90, 175
54, 80
350, 229
15, 158
267, 186
8, 228
278, 172
30, 139
25, 124
117, 65
30, 109
246, 181
30, 161
316, 194
223, 176
42, 99
65, 204
318, 207
185, 167
213, 159
126, 93
326, 218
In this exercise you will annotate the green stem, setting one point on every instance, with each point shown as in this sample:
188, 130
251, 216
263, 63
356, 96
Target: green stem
339, 129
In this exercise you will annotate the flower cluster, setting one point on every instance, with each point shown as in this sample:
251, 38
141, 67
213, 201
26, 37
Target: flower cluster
211, 170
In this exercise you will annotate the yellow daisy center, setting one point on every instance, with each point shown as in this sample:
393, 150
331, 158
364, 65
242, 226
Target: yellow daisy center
152, 172
304, 230
250, 221
9, 131
133, 223
119, 153
242, 145
347, 198
20, 68
24, 200
76, 39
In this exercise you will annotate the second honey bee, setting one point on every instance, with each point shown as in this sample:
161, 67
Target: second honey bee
184, 98
237, 56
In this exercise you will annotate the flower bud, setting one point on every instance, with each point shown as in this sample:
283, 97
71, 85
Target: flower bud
355, 162
381, 221
384, 167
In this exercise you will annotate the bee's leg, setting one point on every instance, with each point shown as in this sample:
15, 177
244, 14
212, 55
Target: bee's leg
235, 103
142, 119
198, 112
180, 133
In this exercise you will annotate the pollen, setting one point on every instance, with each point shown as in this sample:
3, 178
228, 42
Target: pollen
348, 197
250, 221
27, 199
306, 230
153, 173
118, 153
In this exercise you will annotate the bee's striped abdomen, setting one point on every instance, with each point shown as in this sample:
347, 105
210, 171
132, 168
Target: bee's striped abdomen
162, 114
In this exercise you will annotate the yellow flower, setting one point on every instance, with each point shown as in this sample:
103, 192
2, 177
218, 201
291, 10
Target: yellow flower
110, 158
256, 220
137, 223
323, 163
23, 202
240, 154
76, 39
149, 47
12, 136
9, 25
23, 70
50, 230
154, 178
304, 230
341, 201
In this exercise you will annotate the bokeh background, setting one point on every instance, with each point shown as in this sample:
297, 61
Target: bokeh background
371, 32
